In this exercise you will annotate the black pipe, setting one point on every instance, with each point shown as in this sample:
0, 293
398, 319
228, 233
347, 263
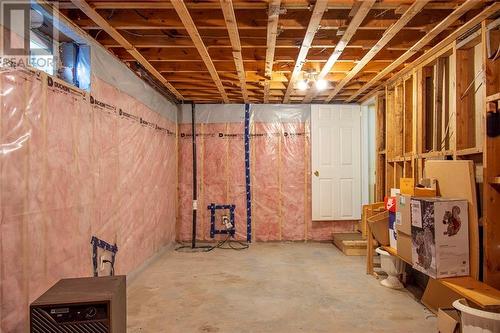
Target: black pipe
195, 184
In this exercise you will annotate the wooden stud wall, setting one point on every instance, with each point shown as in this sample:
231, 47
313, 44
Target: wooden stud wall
491, 158
438, 109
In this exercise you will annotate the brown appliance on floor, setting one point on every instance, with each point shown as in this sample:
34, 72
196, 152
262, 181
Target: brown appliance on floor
93, 305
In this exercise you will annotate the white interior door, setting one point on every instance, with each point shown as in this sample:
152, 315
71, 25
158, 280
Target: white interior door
336, 162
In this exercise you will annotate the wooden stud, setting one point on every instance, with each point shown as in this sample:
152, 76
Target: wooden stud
104, 25
187, 21
360, 14
312, 28
413, 10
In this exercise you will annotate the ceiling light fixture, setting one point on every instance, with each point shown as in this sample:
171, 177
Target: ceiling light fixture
321, 84
302, 85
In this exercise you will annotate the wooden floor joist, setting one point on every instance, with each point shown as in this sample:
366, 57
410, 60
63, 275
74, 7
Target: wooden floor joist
183, 12
272, 34
359, 15
259, 49
455, 15
413, 10
104, 25
312, 28
234, 37
243, 5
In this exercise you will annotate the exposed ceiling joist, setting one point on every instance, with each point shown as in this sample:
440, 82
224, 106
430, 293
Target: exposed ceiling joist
413, 10
242, 5
272, 34
187, 21
234, 37
360, 14
314, 24
98, 19
455, 15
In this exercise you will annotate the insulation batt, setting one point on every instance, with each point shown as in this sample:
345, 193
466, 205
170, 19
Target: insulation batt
72, 167
280, 175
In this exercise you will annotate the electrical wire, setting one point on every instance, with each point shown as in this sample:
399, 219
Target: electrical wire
170, 35
220, 245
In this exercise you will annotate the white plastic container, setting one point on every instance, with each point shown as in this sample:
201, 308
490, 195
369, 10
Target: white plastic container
475, 320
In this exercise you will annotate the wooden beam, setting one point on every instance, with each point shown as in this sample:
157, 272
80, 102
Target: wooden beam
413, 10
234, 37
356, 21
187, 21
312, 28
242, 5
99, 20
272, 34
455, 15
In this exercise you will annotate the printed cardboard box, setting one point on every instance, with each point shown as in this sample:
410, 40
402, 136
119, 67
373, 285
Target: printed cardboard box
403, 213
440, 237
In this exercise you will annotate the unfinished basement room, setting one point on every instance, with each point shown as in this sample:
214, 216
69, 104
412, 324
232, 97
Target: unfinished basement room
253, 166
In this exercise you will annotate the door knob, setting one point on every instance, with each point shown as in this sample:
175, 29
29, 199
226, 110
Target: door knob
316, 173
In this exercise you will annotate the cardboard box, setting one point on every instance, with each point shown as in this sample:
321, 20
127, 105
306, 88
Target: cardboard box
424, 192
403, 210
437, 295
403, 213
440, 237
379, 225
404, 246
406, 185
448, 320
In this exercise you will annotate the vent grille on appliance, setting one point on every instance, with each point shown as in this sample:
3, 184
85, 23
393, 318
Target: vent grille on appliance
41, 322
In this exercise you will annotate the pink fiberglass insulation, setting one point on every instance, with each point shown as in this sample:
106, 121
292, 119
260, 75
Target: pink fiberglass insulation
185, 178
221, 176
292, 177
72, 167
266, 197
214, 151
281, 187
236, 191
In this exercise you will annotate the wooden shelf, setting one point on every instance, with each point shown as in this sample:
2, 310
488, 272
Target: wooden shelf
436, 154
473, 290
495, 181
470, 288
469, 151
493, 98
393, 252
399, 159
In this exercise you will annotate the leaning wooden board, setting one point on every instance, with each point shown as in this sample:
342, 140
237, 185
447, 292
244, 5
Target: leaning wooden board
473, 290
456, 180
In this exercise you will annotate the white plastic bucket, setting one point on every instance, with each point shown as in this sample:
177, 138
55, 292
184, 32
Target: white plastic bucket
475, 320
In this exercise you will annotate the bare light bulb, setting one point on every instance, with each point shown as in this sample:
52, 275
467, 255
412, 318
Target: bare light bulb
321, 84
302, 85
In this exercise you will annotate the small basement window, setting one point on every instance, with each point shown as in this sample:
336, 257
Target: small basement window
57, 54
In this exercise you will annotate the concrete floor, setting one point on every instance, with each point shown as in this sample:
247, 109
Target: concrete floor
271, 287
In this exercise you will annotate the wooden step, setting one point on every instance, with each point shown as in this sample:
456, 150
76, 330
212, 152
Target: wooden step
351, 244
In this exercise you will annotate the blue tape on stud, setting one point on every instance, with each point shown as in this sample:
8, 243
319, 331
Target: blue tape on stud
247, 173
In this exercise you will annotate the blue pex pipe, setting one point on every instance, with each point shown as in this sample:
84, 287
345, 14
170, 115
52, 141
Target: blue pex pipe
247, 173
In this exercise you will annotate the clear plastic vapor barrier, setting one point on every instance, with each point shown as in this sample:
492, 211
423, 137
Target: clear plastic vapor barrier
75, 165
279, 171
